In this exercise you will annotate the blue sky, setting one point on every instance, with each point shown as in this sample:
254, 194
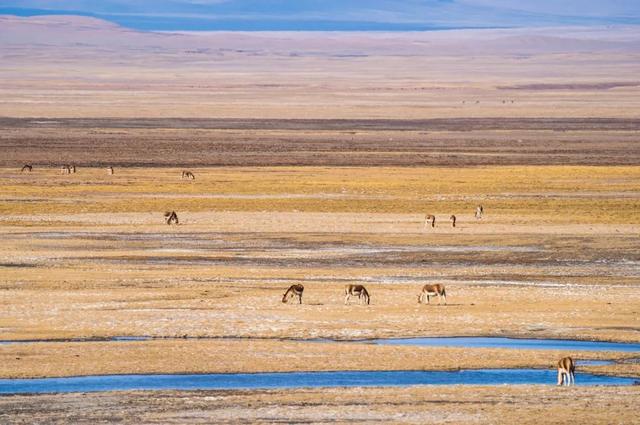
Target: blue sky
336, 14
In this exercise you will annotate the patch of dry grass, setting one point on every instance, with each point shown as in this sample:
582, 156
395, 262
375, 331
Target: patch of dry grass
551, 194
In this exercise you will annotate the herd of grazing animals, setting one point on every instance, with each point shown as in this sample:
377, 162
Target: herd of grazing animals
566, 365
430, 219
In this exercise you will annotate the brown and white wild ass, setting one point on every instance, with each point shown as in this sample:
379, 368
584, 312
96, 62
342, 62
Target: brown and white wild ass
566, 371
171, 217
188, 175
356, 291
28, 168
453, 220
293, 291
430, 218
479, 212
431, 291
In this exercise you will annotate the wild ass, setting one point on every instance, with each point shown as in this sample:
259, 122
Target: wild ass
357, 291
479, 212
188, 175
171, 217
110, 171
431, 291
453, 220
566, 371
28, 168
293, 291
430, 218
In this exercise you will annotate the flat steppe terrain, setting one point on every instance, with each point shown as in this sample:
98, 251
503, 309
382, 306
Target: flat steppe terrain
317, 157
88, 256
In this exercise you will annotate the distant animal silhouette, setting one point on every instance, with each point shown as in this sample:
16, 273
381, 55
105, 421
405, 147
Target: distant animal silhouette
566, 371
110, 171
171, 217
65, 169
453, 220
430, 218
28, 168
431, 291
479, 212
293, 291
357, 291
188, 175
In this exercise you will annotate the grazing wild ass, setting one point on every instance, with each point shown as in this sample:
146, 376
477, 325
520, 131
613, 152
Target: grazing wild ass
28, 168
188, 175
356, 291
293, 291
171, 217
453, 220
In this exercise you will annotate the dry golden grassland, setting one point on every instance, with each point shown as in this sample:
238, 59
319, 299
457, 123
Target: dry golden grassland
325, 202
88, 255
552, 194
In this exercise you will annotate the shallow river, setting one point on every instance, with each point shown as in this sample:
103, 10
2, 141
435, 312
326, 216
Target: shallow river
224, 381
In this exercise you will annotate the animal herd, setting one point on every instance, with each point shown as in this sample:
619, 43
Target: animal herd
171, 217
71, 169
430, 219
359, 291
566, 365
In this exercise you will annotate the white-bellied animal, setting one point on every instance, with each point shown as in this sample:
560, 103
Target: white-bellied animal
110, 171
430, 219
28, 168
453, 220
356, 291
72, 169
566, 371
171, 217
293, 291
188, 175
479, 212
431, 291
65, 169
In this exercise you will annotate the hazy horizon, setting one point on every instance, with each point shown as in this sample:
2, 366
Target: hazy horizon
334, 15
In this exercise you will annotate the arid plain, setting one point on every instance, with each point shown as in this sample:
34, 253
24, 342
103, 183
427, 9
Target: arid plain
316, 158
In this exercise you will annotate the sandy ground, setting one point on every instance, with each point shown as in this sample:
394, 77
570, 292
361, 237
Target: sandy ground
416, 405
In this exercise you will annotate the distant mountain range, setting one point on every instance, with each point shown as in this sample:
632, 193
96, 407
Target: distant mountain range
335, 15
